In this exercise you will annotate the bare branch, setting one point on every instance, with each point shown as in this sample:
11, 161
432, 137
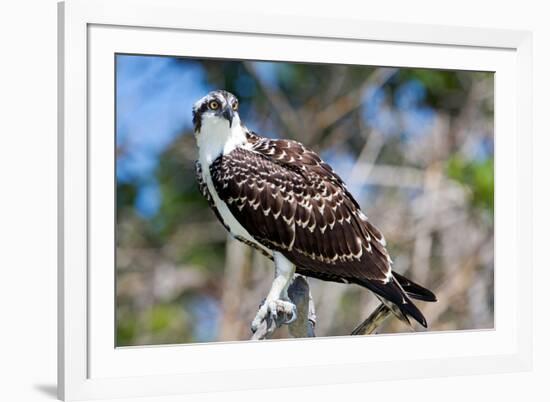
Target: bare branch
300, 295
373, 321
304, 325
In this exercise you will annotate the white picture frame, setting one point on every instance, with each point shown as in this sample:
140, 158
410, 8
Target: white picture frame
91, 32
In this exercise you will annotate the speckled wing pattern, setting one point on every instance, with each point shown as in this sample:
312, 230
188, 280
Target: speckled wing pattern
290, 201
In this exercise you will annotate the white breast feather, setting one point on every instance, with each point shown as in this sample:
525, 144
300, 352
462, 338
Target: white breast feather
216, 138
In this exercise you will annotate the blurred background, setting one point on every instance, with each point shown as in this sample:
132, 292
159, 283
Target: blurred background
415, 147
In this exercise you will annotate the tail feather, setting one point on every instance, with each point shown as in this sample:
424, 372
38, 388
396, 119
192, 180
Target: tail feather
397, 294
410, 309
414, 290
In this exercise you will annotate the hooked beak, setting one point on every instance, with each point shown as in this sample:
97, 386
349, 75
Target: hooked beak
228, 115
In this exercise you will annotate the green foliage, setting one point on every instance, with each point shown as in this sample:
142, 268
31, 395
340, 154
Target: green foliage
477, 176
127, 329
162, 316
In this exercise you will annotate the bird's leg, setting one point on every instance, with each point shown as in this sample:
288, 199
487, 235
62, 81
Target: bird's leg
277, 301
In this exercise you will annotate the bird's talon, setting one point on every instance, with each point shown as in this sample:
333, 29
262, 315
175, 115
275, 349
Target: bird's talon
278, 310
293, 317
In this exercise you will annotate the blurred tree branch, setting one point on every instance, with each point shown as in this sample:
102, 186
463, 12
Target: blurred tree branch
279, 102
352, 100
237, 257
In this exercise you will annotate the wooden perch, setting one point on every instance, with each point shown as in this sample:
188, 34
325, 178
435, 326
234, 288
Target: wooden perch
304, 325
373, 321
299, 293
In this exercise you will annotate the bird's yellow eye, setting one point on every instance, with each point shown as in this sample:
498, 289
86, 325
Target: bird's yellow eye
213, 105
235, 105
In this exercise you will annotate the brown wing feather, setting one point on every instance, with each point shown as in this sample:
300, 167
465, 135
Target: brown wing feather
311, 217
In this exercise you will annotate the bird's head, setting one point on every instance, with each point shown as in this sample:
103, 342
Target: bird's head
217, 107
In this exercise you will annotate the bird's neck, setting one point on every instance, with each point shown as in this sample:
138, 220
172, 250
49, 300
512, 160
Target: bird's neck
216, 138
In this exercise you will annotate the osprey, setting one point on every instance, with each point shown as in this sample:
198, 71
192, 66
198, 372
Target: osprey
282, 199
